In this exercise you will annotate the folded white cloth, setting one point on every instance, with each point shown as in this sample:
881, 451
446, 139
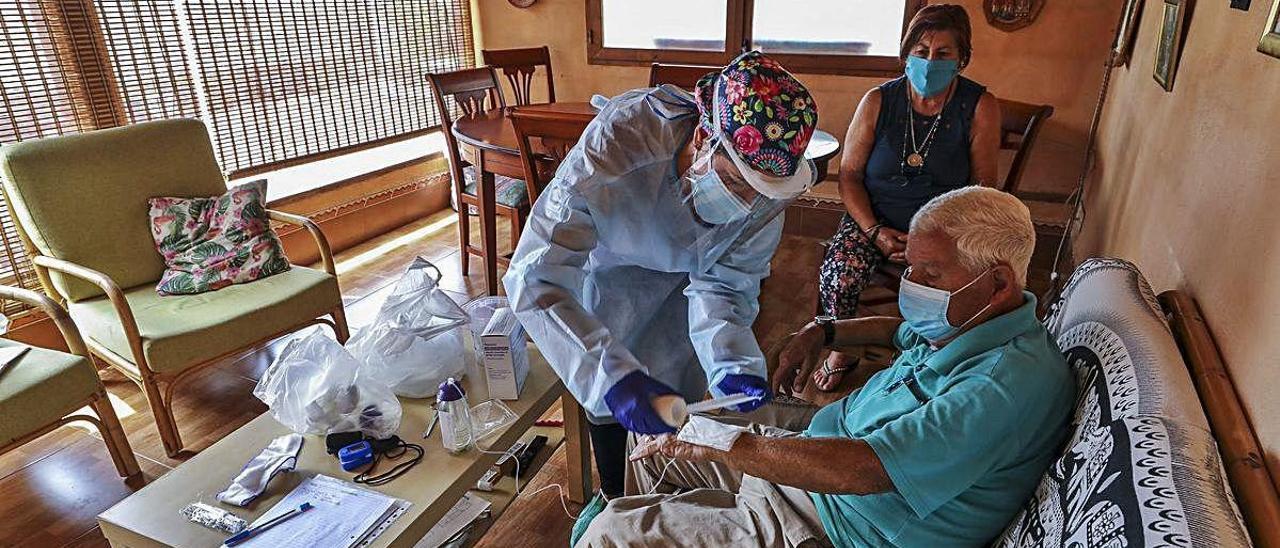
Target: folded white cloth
708, 432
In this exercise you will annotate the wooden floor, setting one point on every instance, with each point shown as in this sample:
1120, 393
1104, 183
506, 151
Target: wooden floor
55, 486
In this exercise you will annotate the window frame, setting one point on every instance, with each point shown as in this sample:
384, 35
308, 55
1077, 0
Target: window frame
738, 30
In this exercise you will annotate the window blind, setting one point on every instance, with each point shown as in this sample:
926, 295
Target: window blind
144, 43
43, 92
290, 80
277, 82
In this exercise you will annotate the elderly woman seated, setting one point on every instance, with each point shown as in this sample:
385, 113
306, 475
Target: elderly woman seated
941, 448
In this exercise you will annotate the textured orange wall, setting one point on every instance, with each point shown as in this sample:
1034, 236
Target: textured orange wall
1057, 61
1185, 186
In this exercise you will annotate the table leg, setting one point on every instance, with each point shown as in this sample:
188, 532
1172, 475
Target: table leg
578, 447
488, 225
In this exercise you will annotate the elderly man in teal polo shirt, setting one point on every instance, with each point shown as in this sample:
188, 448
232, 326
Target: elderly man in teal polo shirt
939, 449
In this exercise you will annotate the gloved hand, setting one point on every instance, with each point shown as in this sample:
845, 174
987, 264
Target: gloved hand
750, 385
629, 401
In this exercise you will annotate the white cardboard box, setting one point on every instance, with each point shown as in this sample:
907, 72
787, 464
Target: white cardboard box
505, 358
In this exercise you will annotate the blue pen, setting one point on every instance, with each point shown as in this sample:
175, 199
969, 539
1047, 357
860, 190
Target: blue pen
250, 533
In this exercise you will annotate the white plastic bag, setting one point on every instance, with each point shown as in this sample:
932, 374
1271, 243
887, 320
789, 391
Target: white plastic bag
415, 342
316, 387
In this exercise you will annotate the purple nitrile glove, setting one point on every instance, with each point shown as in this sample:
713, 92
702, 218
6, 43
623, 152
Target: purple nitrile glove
750, 385
629, 401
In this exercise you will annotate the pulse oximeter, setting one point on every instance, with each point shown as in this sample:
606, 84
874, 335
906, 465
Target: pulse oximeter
355, 455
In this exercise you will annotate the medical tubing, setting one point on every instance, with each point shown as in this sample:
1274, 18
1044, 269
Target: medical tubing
661, 476
564, 498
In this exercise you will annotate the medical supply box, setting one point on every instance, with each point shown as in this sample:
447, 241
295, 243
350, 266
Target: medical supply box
505, 359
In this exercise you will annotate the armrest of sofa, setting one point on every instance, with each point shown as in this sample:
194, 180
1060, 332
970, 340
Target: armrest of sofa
59, 315
326, 254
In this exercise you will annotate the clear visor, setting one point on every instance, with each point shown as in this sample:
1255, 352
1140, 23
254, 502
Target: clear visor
724, 209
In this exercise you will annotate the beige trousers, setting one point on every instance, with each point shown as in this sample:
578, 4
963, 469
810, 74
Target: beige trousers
707, 504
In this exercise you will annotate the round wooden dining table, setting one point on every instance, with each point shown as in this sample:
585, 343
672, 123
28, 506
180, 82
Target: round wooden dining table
488, 142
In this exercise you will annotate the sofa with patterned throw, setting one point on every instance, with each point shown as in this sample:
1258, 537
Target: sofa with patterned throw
1141, 467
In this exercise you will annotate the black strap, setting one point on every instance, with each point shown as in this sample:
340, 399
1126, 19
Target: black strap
394, 452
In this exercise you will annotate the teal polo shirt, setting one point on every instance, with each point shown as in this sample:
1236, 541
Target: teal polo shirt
964, 460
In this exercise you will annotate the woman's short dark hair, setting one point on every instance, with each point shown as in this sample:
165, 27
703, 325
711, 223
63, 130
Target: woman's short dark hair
936, 18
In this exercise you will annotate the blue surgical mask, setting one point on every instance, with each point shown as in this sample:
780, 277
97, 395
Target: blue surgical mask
924, 309
931, 77
714, 202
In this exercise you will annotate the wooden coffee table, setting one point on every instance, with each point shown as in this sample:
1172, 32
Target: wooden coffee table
151, 516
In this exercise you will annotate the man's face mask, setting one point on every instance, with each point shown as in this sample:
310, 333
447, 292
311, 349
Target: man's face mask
925, 308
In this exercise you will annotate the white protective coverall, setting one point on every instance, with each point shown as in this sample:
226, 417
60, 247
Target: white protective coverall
606, 276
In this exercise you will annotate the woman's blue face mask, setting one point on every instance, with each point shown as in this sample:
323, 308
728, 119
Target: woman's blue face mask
931, 77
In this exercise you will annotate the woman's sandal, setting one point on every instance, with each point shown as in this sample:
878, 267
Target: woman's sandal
826, 372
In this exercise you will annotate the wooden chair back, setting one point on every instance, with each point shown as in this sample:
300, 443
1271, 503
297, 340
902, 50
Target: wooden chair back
473, 91
545, 139
684, 76
518, 65
1019, 125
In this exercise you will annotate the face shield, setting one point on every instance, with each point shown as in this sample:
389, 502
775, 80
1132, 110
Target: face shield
729, 201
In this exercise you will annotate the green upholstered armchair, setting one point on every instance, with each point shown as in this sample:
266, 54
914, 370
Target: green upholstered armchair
80, 202
42, 390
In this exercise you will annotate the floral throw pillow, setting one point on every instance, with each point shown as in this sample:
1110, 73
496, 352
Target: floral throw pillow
210, 243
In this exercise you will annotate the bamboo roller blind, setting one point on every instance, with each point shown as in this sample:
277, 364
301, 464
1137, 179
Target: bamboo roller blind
277, 82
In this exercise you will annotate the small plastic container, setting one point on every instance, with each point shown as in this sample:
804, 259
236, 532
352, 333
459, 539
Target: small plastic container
455, 416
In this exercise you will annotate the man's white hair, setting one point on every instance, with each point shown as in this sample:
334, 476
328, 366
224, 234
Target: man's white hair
989, 227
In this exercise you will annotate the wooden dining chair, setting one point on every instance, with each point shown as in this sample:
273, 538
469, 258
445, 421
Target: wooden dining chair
544, 139
518, 65
684, 76
1020, 124
474, 91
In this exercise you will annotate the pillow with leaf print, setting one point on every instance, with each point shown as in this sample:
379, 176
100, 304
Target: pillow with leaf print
211, 243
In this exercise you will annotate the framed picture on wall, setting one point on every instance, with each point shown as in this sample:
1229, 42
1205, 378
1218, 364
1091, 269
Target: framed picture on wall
1170, 46
1270, 43
1126, 32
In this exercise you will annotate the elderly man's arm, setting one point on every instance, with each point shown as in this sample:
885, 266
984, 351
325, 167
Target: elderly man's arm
821, 465
837, 466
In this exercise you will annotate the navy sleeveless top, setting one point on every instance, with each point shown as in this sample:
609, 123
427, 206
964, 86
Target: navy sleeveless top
897, 190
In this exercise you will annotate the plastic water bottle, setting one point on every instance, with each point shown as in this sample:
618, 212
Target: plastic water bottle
455, 416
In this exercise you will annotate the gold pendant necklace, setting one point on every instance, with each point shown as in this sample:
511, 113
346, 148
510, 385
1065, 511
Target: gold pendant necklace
918, 153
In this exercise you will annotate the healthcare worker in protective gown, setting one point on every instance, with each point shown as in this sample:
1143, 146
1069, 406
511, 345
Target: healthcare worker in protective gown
638, 272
